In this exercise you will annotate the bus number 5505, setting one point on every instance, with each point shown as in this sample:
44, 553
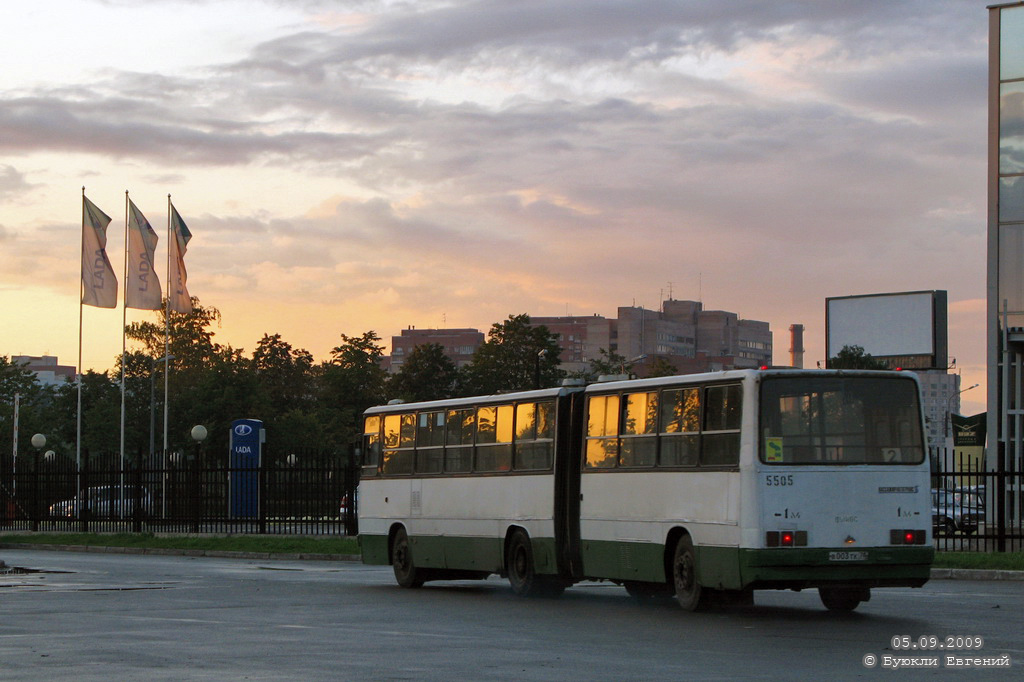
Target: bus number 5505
778, 480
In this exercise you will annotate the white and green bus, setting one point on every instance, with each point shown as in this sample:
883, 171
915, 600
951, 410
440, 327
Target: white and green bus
705, 486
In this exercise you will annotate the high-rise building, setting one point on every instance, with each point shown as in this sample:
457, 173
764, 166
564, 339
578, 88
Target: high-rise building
1005, 236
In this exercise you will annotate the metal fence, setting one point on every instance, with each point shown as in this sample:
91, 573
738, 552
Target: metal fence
295, 493
974, 508
977, 508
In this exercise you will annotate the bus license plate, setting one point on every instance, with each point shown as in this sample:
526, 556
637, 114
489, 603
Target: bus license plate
847, 556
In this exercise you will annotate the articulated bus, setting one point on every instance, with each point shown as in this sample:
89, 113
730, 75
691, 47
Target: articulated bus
706, 487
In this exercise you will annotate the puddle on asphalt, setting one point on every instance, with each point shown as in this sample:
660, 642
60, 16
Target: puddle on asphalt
17, 570
278, 568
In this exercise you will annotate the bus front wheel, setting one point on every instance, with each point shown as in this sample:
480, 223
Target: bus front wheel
402, 563
689, 592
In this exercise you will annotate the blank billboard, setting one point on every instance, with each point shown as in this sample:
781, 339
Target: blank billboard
884, 324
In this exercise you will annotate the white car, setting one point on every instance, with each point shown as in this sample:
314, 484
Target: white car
105, 502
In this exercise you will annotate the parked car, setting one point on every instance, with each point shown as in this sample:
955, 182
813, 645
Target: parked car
106, 502
956, 511
346, 506
971, 504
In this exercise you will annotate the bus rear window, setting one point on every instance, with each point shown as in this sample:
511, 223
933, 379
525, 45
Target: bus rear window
840, 420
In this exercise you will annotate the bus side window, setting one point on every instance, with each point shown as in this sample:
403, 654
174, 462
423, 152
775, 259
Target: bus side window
639, 430
602, 431
534, 436
720, 444
494, 438
371, 446
459, 432
398, 441
430, 442
680, 427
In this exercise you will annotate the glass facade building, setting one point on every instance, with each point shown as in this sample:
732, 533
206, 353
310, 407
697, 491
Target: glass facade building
1006, 235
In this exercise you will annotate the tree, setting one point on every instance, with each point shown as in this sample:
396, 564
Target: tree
427, 374
209, 383
283, 374
35, 406
191, 339
662, 367
516, 356
854, 357
15, 378
101, 410
607, 362
353, 380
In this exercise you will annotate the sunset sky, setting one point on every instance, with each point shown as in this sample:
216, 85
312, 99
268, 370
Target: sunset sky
347, 166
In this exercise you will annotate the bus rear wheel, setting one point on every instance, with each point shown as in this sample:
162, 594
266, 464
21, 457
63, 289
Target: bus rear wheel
689, 592
522, 576
843, 598
406, 573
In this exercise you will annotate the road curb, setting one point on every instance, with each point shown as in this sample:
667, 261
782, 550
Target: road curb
974, 574
162, 551
936, 573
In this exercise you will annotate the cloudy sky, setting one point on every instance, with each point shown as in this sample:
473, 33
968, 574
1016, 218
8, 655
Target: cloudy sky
346, 166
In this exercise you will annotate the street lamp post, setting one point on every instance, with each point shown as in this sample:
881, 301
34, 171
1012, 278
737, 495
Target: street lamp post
949, 408
38, 442
639, 358
198, 434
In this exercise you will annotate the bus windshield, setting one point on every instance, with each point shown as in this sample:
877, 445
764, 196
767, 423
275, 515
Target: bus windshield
840, 420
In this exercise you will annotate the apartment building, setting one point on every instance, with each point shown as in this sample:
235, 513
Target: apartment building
682, 332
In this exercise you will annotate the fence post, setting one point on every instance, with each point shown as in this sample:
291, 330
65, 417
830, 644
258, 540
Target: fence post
1000, 496
136, 483
351, 487
35, 491
81, 496
194, 492
261, 494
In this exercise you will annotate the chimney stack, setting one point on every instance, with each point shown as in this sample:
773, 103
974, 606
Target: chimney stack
796, 345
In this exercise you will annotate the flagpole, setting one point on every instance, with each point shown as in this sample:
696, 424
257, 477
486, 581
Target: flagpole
124, 322
98, 288
167, 344
78, 376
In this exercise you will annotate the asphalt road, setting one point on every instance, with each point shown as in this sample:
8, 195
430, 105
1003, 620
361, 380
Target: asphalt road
103, 617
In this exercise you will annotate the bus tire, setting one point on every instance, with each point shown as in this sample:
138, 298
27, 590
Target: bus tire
689, 592
401, 561
522, 576
843, 598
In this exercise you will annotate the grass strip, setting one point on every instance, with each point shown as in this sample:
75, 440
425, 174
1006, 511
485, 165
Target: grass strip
998, 561
233, 543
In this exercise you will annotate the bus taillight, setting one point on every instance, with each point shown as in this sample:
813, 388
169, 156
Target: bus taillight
906, 537
786, 538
